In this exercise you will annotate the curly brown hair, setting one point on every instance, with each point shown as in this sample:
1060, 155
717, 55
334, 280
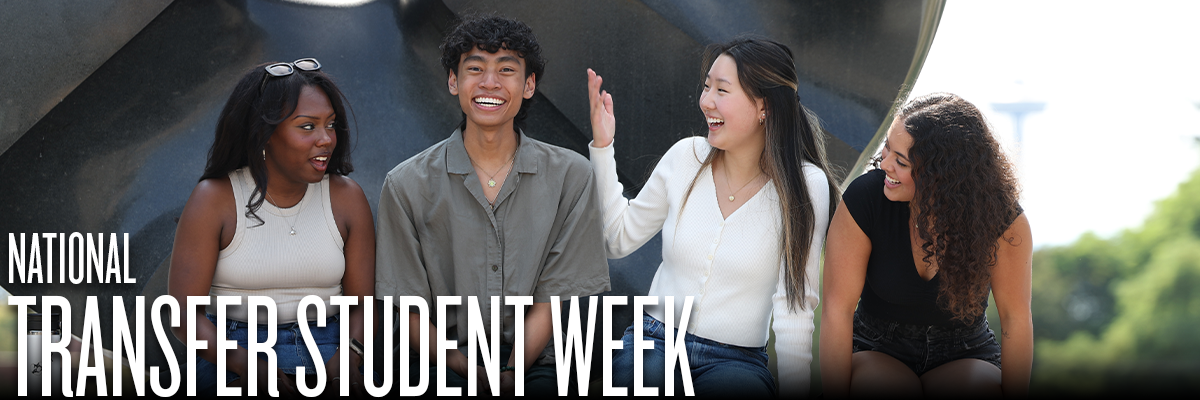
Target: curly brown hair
966, 194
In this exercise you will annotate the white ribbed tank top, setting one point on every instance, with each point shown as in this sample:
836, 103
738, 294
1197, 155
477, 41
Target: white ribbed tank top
266, 260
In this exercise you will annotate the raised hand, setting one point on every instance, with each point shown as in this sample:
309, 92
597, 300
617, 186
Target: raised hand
604, 124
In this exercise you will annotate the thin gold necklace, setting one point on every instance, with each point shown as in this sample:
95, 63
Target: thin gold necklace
728, 178
492, 177
293, 223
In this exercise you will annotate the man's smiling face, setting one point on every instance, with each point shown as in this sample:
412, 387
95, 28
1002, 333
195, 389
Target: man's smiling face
491, 87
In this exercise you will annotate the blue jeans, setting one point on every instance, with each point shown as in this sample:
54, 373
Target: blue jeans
290, 350
718, 369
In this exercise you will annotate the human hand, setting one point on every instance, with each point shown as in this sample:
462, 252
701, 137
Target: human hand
351, 372
508, 383
457, 362
286, 387
482, 388
604, 123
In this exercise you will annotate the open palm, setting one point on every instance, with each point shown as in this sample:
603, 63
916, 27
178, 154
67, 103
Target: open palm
604, 124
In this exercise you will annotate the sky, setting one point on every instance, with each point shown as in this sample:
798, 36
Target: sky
1120, 127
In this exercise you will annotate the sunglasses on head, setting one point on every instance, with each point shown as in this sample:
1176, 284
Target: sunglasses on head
285, 69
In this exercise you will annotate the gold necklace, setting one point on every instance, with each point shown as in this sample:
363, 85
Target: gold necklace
293, 223
727, 179
492, 177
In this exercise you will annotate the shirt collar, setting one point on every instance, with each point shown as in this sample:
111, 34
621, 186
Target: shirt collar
458, 163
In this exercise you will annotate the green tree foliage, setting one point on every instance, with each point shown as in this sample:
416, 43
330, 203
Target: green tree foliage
1123, 313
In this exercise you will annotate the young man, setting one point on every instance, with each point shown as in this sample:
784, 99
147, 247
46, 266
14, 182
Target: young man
491, 212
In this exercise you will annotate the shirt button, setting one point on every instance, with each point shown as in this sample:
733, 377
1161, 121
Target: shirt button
494, 268
722, 223
710, 256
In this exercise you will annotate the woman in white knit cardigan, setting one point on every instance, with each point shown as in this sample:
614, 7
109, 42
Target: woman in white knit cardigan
743, 215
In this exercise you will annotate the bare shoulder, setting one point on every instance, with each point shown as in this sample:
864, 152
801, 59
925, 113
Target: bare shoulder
341, 185
345, 192
209, 215
348, 202
213, 195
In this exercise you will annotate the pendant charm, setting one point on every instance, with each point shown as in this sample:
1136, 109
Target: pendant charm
293, 232
730, 198
491, 183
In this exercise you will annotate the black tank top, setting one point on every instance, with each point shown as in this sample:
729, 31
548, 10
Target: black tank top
893, 289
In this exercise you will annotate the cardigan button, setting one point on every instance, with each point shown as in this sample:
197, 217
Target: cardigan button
494, 268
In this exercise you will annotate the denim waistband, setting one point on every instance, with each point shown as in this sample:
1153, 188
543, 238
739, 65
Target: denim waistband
232, 324
932, 331
658, 329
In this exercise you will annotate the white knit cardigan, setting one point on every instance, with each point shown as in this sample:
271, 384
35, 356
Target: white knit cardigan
731, 267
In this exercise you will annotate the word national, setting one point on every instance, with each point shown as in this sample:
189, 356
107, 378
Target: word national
81, 257
570, 343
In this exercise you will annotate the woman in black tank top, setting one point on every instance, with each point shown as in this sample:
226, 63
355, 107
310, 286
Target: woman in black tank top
921, 240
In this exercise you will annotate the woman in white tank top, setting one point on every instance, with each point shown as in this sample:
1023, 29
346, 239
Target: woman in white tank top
274, 215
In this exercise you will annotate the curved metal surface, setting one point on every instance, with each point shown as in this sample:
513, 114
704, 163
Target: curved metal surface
123, 150
50, 46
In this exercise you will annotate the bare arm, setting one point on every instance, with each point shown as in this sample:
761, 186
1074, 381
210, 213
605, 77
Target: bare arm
353, 216
1012, 288
846, 253
538, 328
455, 360
207, 225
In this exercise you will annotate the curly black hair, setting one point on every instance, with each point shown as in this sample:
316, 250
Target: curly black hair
966, 194
493, 33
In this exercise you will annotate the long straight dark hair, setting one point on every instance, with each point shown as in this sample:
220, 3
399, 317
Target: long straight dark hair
767, 71
258, 104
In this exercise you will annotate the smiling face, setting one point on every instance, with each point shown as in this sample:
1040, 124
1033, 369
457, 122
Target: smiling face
490, 88
300, 147
898, 186
731, 113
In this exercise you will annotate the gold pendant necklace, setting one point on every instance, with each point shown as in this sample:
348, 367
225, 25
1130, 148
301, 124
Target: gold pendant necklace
727, 179
492, 177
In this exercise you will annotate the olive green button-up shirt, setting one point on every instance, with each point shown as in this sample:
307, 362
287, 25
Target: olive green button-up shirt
438, 236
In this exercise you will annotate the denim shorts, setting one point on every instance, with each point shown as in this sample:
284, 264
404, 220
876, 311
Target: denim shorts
290, 350
923, 347
717, 369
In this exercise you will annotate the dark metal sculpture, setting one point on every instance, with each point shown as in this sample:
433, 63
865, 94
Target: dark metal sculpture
124, 148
